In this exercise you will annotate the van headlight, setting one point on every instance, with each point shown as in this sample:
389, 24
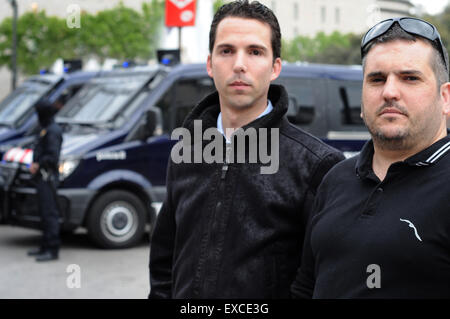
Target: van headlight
66, 167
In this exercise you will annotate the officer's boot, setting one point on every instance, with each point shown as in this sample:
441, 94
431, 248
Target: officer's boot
47, 255
35, 251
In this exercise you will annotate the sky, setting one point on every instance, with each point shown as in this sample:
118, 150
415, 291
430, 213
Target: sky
431, 6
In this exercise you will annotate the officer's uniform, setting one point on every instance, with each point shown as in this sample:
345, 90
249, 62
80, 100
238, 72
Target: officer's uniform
46, 154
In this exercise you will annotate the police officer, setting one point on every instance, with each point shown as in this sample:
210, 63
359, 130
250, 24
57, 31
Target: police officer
45, 170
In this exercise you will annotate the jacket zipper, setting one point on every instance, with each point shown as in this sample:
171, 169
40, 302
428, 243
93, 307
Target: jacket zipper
227, 160
215, 225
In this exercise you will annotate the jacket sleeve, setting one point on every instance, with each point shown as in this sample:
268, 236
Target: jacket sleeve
162, 246
50, 154
324, 166
303, 285
316, 178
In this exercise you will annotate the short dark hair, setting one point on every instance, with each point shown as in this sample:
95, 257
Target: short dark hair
246, 10
397, 33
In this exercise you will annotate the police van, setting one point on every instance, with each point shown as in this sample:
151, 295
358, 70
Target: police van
117, 142
17, 114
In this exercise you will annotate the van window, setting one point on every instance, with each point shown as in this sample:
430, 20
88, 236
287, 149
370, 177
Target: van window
189, 92
68, 93
132, 107
106, 105
14, 107
302, 104
181, 97
344, 107
350, 97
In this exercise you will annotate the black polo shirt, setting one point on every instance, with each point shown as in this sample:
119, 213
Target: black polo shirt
381, 239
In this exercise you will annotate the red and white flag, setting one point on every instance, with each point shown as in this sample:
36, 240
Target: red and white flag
180, 13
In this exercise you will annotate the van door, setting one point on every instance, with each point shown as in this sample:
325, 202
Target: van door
175, 104
149, 156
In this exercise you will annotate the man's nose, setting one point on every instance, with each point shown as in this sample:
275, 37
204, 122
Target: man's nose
391, 90
240, 63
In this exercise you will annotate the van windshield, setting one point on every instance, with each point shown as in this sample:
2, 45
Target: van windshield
102, 100
19, 102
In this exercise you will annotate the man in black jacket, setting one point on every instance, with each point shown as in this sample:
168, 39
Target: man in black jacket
381, 227
231, 230
45, 169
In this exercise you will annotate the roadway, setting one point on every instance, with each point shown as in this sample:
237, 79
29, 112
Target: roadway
82, 271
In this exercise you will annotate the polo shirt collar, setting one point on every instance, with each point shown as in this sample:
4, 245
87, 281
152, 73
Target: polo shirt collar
429, 156
364, 161
432, 154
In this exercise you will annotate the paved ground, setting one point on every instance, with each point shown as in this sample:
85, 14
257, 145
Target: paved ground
103, 273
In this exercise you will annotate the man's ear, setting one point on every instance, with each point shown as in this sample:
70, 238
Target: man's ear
209, 66
445, 97
276, 69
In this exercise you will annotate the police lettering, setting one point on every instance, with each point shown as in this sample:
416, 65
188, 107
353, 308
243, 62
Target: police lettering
246, 308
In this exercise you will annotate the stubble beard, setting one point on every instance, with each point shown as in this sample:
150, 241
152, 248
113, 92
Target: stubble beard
400, 139
404, 138
244, 102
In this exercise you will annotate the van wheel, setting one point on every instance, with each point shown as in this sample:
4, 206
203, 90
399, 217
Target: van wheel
116, 220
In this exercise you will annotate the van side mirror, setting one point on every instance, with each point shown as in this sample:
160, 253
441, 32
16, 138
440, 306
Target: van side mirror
292, 109
150, 125
153, 123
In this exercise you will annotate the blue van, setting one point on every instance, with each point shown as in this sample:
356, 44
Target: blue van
17, 115
117, 142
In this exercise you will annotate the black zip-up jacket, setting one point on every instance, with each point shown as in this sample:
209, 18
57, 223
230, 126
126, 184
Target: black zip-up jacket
48, 142
227, 231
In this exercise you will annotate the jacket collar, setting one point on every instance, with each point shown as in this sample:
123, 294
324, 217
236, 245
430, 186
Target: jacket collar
208, 110
427, 157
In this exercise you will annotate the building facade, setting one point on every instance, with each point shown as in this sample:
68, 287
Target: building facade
59, 7
308, 17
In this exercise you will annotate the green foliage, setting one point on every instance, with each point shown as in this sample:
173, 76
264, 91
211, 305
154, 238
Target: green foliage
338, 48
442, 23
120, 33
40, 40
217, 4
335, 48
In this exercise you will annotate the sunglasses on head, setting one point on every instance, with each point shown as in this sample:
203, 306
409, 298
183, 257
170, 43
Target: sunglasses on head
411, 25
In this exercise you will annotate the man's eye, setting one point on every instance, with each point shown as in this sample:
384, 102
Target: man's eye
255, 52
226, 51
377, 80
411, 78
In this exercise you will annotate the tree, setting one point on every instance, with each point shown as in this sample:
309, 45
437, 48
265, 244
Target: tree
120, 33
442, 23
217, 4
345, 49
335, 48
339, 49
41, 40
